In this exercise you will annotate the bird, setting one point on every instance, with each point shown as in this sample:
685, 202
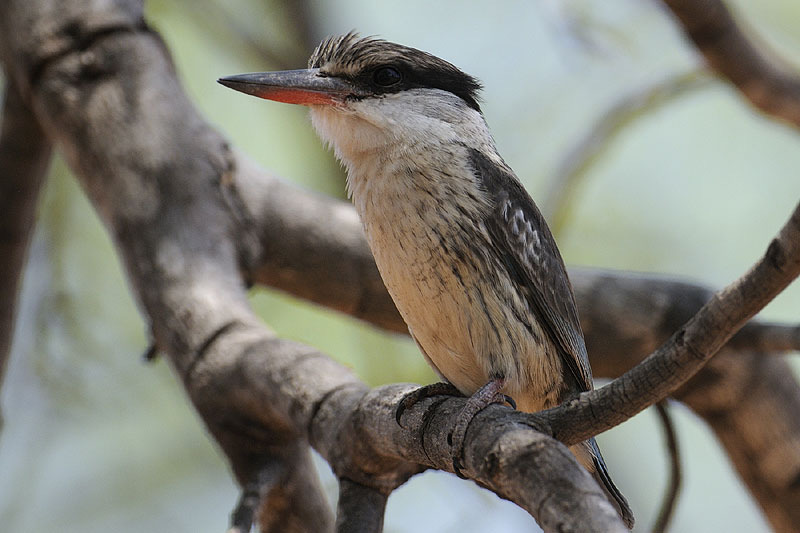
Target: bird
462, 248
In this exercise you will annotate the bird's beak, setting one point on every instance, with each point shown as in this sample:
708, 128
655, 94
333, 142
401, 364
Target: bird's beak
304, 87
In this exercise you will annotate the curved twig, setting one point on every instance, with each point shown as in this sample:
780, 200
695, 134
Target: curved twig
612, 122
665, 514
687, 350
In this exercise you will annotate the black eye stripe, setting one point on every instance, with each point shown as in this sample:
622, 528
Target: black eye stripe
358, 60
397, 76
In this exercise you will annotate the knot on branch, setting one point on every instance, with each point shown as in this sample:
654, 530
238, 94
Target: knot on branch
244, 230
77, 37
776, 255
362, 449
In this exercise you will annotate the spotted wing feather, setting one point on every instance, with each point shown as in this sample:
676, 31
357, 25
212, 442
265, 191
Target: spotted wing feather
528, 250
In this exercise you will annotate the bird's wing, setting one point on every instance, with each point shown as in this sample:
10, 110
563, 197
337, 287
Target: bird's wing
527, 248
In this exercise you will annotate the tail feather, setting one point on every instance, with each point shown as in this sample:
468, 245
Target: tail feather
604, 479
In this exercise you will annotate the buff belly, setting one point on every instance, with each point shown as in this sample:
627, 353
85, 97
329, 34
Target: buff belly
465, 316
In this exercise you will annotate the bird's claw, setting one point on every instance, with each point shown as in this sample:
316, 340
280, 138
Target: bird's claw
426, 391
485, 396
510, 401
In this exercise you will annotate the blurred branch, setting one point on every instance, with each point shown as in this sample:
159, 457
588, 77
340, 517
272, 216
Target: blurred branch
360, 508
751, 401
771, 87
105, 91
767, 337
25, 154
606, 129
244, 515
301, 15
230, 26
667, 510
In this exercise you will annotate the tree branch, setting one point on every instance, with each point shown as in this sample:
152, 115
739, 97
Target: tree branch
314, 248
97, 76
688, 349
624, 317
752, 402
770, 87
360, 508
667, 509
25, 154
606, 128
767, 337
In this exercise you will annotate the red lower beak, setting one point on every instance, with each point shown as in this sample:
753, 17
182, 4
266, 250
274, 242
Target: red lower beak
304, 87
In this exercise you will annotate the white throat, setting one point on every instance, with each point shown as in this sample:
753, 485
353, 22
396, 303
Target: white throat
386, 138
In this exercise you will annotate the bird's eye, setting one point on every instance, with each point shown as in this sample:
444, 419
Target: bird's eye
386, 76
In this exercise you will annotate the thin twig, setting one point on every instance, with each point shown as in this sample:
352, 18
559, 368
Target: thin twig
667, 510
216, 17
688, 349
578, 160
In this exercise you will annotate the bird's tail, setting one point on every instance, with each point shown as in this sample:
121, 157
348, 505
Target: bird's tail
588, 454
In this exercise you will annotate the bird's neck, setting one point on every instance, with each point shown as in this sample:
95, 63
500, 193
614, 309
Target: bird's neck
394, 157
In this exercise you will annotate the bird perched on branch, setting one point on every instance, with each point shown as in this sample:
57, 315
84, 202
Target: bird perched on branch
462, 248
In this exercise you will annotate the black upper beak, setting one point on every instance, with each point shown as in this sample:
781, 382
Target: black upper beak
305, 86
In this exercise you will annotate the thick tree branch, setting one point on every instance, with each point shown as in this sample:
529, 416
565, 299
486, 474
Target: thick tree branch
772, 88
24, 158
313, 247
97, 75
360, 509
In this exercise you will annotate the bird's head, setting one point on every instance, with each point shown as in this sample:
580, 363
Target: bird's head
366, 93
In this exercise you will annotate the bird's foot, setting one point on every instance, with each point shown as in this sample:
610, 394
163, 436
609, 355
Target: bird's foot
442, 388
483, 397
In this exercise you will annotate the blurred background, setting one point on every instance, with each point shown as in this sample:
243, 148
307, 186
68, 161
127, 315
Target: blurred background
683, 178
